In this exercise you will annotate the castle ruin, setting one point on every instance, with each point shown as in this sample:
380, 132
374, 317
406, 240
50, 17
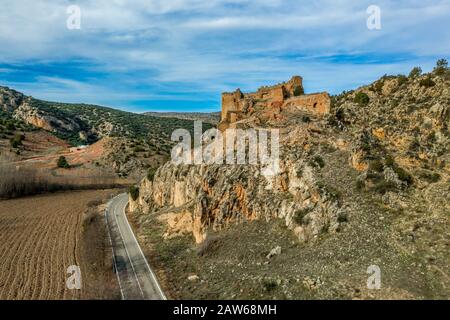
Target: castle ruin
287, 96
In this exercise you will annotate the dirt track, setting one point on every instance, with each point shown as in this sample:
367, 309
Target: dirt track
38, 242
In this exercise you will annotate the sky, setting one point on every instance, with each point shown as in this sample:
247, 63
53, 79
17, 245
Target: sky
180, 55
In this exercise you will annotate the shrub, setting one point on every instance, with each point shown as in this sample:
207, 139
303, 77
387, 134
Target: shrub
17, 140
441, 67
300, 215
360, 184
378, 86
151, 174
334, 193
414, 146
317, 161
403, 175
134, 192
415, 72
427, 83
361, 98
138, 149
402, 79
270, 285
306, 119
431, 177
384, 186
14, 143
62, 163
10, 126
389, 161
298, 91
376, 165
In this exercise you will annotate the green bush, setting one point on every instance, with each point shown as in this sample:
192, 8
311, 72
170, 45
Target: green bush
270, 285
378, 86
360, 184
384, 186
62, 163
441, 67
134, 192
151, 174
362, 99
429, 176
14, 143
427, 83
138, 149
389, 161
376, 165
298, 91
415, 72
300, 215
403, 175
402, 79
17, 140
10, 126
317, 161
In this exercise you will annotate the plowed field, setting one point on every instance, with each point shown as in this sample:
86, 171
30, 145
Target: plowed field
38, 242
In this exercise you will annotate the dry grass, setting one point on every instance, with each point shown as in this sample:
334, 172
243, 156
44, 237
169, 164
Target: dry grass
208, 245
21, 181
99, 280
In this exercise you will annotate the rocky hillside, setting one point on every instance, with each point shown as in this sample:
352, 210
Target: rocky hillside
366, 184
134, 143
82, 123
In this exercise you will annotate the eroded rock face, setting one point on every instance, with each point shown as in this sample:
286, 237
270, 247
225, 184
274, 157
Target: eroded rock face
10, 99
215, 196
33, 116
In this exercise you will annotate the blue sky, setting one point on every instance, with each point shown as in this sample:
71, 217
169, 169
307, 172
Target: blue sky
179, 55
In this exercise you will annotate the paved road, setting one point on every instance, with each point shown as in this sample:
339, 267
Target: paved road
136, 279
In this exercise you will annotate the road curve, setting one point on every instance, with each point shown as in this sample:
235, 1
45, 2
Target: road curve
136, 279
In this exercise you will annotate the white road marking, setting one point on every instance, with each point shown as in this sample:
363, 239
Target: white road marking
128, 254
120, 202
112, 249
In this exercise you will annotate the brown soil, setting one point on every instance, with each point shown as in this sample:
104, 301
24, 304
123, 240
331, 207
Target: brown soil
39, 239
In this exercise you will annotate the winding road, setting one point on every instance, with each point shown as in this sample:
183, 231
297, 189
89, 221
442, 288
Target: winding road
136, 279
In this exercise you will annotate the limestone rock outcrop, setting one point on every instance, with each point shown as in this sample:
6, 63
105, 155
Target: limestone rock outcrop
215, 196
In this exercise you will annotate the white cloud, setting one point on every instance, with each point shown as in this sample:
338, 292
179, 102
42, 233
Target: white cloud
210, 45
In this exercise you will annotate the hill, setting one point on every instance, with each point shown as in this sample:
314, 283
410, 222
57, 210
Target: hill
207, 117
364, 182
134, 142
83, 123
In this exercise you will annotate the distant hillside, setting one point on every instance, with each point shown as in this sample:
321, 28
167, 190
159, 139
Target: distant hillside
207, 117
132, 144
83, 123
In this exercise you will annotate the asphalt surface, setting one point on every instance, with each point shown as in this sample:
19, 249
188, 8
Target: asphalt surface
136, 279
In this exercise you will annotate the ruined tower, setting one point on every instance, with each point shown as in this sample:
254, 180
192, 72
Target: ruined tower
272, 100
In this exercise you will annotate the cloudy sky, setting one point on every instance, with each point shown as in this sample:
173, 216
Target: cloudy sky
179, 55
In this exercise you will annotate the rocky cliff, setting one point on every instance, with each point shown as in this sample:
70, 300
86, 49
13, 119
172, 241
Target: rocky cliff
198, 198
392, 133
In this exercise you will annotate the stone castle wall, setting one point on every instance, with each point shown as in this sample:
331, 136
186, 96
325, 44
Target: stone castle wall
284, 96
